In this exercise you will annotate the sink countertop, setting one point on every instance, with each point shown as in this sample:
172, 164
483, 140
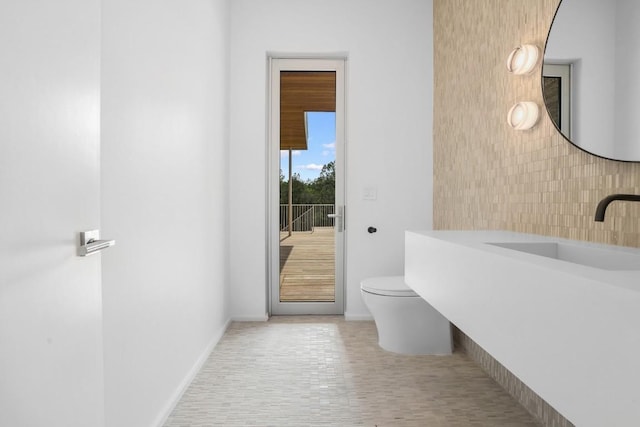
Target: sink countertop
571, 332
478, 239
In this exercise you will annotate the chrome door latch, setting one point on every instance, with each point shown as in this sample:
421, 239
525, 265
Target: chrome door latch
90, 243
339, 218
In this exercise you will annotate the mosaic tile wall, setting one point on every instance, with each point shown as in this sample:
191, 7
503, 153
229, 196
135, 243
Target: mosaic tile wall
488, 176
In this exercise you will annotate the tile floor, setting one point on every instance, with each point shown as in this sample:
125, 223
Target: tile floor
325, 371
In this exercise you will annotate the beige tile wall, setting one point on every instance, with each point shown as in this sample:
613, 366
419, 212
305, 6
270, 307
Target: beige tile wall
488, 176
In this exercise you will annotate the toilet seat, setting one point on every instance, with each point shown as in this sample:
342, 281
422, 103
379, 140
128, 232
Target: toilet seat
392, 286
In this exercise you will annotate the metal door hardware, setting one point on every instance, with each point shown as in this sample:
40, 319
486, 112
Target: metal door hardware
90, 243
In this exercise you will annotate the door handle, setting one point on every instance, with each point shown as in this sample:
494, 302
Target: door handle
90, 243
339, 217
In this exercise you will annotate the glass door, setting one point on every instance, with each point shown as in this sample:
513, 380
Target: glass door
307, 200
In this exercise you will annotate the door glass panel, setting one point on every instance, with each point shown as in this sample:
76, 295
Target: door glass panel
307, 239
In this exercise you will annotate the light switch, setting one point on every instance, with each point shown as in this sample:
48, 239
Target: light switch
369, 193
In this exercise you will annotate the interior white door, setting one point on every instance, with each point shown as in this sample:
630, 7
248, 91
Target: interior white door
50, 299
279, 304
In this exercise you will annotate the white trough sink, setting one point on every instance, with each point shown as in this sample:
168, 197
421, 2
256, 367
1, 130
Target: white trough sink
578, 254
562, 315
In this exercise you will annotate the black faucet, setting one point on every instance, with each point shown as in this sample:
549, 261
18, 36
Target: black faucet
602, 206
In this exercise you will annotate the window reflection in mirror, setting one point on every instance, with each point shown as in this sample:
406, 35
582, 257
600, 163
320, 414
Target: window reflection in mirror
556, 88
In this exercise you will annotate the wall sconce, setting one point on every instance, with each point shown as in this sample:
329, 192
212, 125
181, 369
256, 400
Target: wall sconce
523, 115
523, 59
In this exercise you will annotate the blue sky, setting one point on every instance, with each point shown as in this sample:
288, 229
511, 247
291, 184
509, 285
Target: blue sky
321, 127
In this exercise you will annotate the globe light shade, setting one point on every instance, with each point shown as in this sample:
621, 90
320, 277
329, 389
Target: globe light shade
523, 59
523, 115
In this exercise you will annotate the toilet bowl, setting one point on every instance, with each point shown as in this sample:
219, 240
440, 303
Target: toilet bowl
406, 323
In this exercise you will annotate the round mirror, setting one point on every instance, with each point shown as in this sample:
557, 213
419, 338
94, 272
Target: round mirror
591, 76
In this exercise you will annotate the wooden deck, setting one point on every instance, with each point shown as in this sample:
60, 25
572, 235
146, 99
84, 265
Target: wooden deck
307, 266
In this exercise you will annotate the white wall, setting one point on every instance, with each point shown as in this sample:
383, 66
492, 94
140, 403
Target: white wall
50, 302
627, 52
389, 121
164, 198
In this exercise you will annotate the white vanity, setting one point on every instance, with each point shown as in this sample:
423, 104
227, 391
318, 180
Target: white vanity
563, 316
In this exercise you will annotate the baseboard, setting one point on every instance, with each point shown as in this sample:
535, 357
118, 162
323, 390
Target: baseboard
182, 387
251, 318
357, 316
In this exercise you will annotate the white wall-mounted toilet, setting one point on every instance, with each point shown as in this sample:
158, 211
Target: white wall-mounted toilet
406, 323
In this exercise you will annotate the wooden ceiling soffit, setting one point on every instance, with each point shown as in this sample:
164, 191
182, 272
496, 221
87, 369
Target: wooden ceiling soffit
302, 91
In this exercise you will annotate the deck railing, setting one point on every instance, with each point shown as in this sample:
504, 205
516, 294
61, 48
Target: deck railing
306, 216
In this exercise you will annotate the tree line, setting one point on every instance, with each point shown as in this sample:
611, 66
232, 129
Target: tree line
317, 191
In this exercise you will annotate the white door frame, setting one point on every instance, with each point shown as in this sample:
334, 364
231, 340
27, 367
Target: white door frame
277, 64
